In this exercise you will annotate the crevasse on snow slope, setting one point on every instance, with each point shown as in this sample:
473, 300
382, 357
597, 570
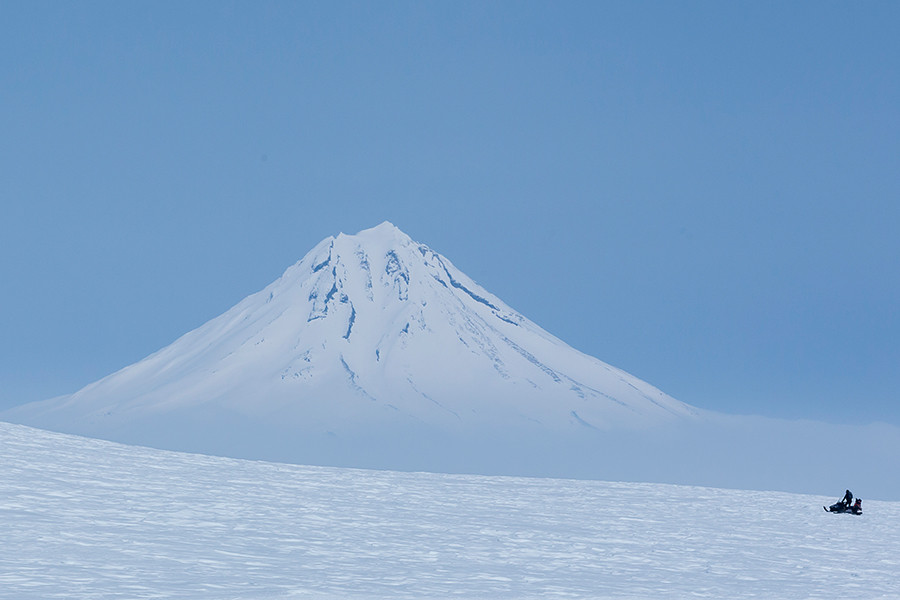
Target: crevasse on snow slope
85, 519
369, 337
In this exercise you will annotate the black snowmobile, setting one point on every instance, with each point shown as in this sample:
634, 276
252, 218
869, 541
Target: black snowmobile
844, 505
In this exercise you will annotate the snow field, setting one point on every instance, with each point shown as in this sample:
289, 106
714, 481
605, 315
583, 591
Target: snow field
81, 518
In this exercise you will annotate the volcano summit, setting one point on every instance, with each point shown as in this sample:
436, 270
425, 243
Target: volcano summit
373, 351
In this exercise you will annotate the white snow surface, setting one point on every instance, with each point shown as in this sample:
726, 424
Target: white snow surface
82, 518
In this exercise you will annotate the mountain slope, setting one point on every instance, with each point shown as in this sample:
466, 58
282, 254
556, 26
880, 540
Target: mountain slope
369, 341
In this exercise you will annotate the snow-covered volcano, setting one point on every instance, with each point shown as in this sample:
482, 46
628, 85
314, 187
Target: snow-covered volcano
371, 340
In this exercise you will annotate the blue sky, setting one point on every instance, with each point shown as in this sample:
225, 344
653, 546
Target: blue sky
705, 194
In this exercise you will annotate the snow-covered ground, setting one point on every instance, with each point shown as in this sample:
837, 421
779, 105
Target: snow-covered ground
82, 518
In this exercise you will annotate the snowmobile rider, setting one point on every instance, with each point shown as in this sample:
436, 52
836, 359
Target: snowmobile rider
856, 509
848, 498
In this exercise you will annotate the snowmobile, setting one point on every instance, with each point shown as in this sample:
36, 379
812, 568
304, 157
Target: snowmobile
842, 507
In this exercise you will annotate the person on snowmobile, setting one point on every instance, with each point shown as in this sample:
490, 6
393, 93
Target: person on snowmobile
856, 509
848, 498
842, 505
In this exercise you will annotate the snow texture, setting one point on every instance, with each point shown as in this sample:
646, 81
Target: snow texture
86, 519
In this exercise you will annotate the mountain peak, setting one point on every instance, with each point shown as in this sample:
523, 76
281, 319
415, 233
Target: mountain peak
383, 232
382, 229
